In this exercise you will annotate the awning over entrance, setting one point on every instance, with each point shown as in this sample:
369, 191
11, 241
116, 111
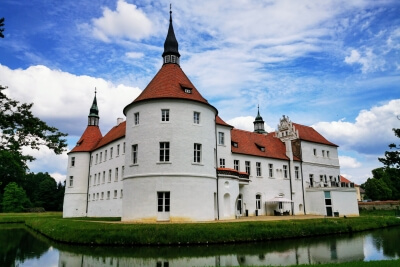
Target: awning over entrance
279, 199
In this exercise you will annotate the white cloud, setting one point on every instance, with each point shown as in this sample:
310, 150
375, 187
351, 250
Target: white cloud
127, 21
369, 134
134, 55
369, 61
246, 123
348, 162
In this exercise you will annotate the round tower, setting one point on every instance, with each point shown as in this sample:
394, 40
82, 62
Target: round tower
170, 174
79, 161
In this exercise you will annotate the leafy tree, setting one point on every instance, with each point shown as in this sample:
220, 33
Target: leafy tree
20, 128
1, 27
392, 157
14, 198
377, 189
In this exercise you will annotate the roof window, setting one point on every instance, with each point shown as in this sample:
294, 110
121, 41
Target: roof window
186, 89
262, 148
235, 144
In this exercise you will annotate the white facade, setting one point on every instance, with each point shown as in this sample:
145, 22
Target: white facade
174, 159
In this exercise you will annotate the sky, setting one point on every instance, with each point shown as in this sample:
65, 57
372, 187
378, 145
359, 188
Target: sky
333, 65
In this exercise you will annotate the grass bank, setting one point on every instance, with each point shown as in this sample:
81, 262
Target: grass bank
97, 232
385, 263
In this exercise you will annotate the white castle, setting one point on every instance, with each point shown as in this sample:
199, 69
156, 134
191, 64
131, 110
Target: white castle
175, 159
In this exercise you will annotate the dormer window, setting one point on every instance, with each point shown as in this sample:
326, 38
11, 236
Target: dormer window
261, 148
187, 90
235, 144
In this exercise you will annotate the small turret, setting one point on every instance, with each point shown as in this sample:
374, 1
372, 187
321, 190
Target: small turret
259, 123
93, 118
171, 53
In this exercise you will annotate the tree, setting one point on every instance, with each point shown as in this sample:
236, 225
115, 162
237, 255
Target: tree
20, 128
377, 189
392, 158
1, 27
14, 198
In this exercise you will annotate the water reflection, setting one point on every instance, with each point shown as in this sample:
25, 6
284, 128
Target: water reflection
22, 248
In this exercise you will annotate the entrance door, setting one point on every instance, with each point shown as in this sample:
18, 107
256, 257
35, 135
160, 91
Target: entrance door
239, 205
163, 206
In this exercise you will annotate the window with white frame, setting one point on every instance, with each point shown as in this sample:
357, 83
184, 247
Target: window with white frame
101, 157
95, 178
296, 172
97, 158
116, 175
311, 180
258, 201
197, 153
134, 159
122, 172
221, 138
315, 151
111, 152
164, 151
196, 117
163, 201
72, 161
327, 153
121, 195
323, 153
102, 195
236, 164
321, 178
115, 193
222, 163
165, 115
123, 148
104, 177
285, 171
271, 170
118, 149
98, 179
71, 181
90, 180
247, 167
105, 155
108, 194
136, 118
109, 175
258, 168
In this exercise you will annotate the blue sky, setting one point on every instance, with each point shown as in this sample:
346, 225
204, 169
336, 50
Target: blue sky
333, 65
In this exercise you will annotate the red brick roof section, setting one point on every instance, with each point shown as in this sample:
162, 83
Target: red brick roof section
170, 82
115, 133
250, 143
344, 180
89, 140
219, 121
307, 133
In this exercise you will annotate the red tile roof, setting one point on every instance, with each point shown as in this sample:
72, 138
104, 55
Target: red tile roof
170, 82
219, 121
307, 133
89, 139
344, 180
250, 143
115, 133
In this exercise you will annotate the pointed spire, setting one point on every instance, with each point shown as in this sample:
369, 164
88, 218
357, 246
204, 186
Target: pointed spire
94, 112
171, 53
259, 122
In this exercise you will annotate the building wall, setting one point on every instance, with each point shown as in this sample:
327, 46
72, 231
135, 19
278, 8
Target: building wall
191, 184
75, 197
105, 196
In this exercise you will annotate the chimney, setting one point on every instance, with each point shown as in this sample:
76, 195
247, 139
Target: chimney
119, 120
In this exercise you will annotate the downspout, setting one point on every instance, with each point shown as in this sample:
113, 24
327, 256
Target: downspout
302, 179
88, 181
291, 189
216, 165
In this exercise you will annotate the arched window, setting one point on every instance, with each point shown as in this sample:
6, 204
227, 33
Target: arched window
258, 201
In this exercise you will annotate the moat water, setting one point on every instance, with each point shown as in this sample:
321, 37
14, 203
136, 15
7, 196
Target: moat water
21, 247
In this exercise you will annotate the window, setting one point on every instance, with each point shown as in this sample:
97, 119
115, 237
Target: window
134, 154
285, 171
221, 138
101, 157
108, 194
91, 160
97, 196
258, 168
118, 149
95, 178
122, 172
102, 195
121, 193
104, 177
323, 153
197, 153
123, 148
111, 152
105, 155
115, 193
116, 175
196, 117
71, 181
165, 115
136, 118
327, 154
236, 164
163, 203
247, 166
258, 202
271, 170
98, 179
321, 178
72, 161
164, 151
222, 163
97, 158
311, 180
296, 172
315, 152
90, 180
109, 175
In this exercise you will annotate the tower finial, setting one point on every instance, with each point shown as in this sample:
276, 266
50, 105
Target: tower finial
171, 53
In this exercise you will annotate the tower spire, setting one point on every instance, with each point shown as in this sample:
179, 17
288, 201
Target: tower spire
259, 122
171, 53
93, 118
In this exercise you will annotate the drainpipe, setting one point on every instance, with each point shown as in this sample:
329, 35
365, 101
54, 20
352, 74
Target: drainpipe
88, 180
302, 180
216, 164
291, 189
